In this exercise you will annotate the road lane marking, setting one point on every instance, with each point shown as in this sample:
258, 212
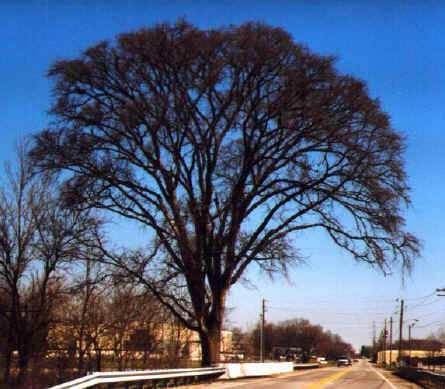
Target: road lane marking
384, 378
328, 380
266, 380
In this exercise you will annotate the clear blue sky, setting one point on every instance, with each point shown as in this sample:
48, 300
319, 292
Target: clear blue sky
397, 47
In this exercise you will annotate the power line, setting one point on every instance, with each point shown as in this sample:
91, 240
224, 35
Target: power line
432, 323
287, 309
425, 304
421, 297
427, 314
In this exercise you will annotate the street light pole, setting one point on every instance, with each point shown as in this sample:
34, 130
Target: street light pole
440, 290
410, 326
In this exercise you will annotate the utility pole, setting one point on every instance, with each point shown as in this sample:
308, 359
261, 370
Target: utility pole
263, 322
390, 341
385, 334
402, 306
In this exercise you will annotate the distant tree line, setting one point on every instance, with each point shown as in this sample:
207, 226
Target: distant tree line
367, 351
302, 336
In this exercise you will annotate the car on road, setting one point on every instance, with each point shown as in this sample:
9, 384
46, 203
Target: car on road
322, 361
343, 361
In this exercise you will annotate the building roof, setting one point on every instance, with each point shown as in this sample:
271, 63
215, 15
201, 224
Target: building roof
419, 344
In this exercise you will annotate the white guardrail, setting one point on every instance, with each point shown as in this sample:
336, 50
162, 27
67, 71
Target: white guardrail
125, 378
307, 365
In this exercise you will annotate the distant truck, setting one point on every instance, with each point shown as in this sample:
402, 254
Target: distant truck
287, 354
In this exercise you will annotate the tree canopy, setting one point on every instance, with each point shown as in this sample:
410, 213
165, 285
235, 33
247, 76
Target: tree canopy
225, 143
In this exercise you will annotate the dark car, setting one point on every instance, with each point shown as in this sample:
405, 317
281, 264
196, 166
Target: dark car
343, 361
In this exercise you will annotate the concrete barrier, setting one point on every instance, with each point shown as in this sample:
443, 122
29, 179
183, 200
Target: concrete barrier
254, 369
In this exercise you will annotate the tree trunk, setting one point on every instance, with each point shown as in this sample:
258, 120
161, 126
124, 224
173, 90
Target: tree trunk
10, 344
23, 369
8, 362
80, 363
98, 353
211, 345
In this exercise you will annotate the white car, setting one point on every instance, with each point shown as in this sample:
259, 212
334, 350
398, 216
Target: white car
322, 361
344, 361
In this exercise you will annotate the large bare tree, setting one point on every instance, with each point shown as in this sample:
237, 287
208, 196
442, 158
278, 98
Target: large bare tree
225, 143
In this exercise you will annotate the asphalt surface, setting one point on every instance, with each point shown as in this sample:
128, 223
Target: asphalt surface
360, 376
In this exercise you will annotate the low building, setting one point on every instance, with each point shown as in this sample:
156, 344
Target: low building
136, 341
416, 348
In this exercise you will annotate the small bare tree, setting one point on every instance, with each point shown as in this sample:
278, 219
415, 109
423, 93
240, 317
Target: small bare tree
124, 315
225, 144
144, 336
38, 238
83, 319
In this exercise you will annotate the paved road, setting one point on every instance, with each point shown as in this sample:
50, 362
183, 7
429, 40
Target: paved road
361, 376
